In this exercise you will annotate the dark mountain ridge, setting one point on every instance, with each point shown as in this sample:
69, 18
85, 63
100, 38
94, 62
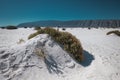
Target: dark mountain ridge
73, 23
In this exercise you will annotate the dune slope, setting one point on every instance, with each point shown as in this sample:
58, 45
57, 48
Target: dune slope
21, 61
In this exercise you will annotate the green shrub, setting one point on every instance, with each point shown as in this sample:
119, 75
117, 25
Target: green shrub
115, 32
69, 42
11, 27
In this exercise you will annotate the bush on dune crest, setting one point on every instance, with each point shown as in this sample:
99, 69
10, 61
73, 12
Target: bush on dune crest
115, 32
69, 42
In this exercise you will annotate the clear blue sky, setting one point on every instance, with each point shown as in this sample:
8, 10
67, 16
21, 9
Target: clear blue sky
13, 12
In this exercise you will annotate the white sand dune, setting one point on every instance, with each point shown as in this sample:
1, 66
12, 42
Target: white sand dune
19, 61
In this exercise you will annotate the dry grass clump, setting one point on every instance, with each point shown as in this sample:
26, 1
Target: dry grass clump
71, 45
69, 42
115, 32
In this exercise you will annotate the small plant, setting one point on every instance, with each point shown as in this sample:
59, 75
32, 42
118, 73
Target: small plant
25, 27
63, 29
11, 27
115, 32
39, 52
89, 27
20, 41
69, 42
37, 28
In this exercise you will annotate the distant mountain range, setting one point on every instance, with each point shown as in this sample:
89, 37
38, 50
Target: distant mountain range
73, 23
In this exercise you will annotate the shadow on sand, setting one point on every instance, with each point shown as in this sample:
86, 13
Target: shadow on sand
52, 65
88, 58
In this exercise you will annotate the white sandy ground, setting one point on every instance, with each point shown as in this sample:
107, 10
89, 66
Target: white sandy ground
102, 51
11, 37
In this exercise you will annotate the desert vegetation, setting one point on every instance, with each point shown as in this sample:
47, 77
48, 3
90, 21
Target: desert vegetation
37, 28
116, 32
69, 42
63, 29
11, 27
